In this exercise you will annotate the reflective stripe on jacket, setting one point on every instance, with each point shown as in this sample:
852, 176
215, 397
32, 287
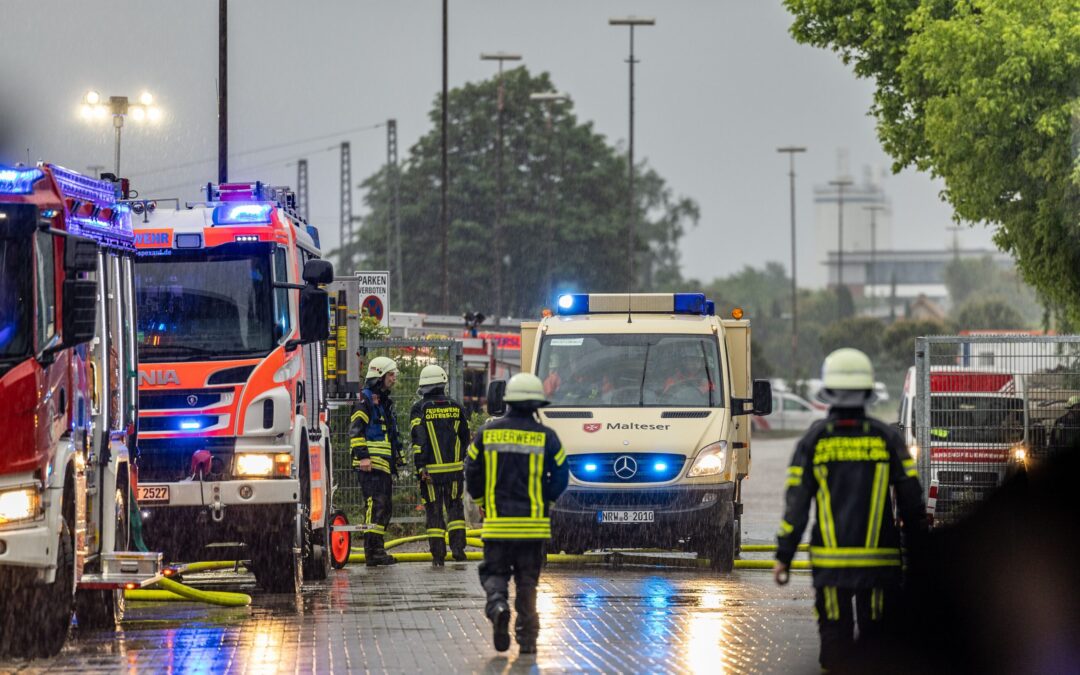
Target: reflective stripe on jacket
440, 436
373, 433
516, 468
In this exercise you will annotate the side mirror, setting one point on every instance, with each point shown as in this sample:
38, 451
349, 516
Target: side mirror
314, 312
496, 405
762, 397
318, 272
760, 404
80, 254
80, 310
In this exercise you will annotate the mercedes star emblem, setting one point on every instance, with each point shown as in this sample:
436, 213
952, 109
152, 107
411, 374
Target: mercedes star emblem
625, 467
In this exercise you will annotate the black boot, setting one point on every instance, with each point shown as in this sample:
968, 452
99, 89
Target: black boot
438, 551
374, 553
528, 647
500, 619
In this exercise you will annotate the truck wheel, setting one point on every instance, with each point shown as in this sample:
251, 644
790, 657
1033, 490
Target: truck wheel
45, 611
340, 542
720, 542
275, 560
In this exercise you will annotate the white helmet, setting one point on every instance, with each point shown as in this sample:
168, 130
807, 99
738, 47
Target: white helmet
433, 375
379, 366
525, 388
847, 378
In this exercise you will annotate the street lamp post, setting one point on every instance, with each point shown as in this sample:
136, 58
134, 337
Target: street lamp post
94, 107
791, 151
496, 230
873, 248
840, 184
632, 22
549, 99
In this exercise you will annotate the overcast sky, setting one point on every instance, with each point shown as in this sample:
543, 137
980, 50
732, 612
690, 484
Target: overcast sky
720, 85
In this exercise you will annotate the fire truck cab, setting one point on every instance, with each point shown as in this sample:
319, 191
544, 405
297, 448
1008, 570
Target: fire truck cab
67, 383
234, 439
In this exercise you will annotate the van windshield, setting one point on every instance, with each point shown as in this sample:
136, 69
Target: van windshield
631, 370
15, 298
976, 419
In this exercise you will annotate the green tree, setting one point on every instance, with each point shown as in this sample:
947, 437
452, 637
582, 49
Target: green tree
984, 94
860, 332
988, 314
587, 174
898, 340
982, 277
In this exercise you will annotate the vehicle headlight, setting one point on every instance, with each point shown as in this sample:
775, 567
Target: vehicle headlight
19, 504
261, 464
711, 460
1019, 453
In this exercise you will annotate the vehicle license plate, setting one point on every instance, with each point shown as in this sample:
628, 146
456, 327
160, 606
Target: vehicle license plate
625, 517
153, 493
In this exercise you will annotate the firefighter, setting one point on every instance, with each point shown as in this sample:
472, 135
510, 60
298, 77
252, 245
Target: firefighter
440, 437
515, 470
373, 440
1065, 434
847, 463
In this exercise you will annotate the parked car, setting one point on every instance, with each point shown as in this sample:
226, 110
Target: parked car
790, 413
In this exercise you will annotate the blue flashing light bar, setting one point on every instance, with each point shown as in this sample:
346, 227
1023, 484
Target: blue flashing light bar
242, 214
696, 304
18, 180
84, 188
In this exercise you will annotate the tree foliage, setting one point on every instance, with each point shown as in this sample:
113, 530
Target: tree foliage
860, 332
982, 277
576, 167
984, 94
991, 313
898, 340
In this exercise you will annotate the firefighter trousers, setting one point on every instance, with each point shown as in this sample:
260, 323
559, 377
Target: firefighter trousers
378, 490
437, 498
836, 620
522, 560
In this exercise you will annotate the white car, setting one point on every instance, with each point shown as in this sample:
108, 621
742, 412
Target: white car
790, 413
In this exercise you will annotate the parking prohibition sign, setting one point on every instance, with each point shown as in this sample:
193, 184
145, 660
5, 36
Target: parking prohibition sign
374, 306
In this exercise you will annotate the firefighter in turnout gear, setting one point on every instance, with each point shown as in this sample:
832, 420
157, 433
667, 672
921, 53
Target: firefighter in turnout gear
850, 464
376, 455
440, 437
516, 469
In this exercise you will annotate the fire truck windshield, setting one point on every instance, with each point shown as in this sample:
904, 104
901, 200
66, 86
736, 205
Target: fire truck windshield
631, 370
15, 298
976, 419
206, 304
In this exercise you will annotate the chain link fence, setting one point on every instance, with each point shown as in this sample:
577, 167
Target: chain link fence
986, 406
411, 357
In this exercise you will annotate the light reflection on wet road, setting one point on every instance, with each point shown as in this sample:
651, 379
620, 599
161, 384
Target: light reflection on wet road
412, 618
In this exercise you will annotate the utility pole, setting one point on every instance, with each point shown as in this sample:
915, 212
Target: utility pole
444, 215
223, 92
302, 188
549, 99
500, 188
632, 22
346, 232
791, 151
394, 224
873, 250
840, 184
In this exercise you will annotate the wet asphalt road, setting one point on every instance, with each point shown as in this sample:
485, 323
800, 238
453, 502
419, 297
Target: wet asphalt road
412, 618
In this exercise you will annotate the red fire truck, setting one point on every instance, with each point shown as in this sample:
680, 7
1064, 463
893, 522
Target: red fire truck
68, 393
235, 448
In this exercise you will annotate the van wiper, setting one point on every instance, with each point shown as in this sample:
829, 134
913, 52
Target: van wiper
644, 370
708, 373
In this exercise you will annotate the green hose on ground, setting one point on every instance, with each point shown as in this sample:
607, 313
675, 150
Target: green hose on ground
607, 559
171, 590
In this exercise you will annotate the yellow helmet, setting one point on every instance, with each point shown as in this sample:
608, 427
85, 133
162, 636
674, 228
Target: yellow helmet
847, 369
433, 375
525, 388
379, 366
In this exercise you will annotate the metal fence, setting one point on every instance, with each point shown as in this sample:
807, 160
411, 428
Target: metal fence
985, 407
411, 357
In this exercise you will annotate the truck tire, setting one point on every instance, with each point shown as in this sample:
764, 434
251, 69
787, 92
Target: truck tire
105, 608
41, 633
720, 542
278, 561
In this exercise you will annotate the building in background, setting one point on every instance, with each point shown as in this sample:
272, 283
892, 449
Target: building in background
859, 236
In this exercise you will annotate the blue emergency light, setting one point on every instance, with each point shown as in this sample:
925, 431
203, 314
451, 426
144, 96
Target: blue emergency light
190, 425
572, 304
590, 467
242, 214
18, 180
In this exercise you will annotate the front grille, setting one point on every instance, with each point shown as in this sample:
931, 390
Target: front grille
237, 375
180, 399
628, 467
685, 414
169, 461
183, 423
637, 499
